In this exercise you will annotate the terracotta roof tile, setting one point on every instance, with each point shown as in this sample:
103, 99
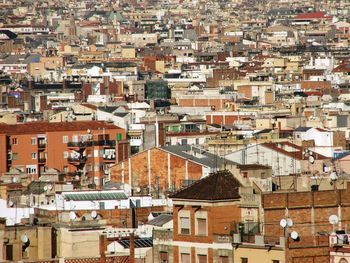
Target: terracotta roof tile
221, 185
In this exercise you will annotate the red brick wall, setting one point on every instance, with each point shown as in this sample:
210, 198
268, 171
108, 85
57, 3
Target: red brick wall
220, 219
218, 104
221, 119
116, 217
158, 167
310, 212
246, 90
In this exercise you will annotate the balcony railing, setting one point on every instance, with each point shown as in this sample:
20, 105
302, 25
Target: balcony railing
109, 157
92, 143
80, 144
77, 159
41, 145
42, 160
105, 143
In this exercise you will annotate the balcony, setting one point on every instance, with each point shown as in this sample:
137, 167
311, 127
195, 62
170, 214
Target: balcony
42, 160
41, 145
80, 144
77, 160
105, 143
109, 157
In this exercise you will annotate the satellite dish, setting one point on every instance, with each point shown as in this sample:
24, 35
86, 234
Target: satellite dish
93, 214
289, 222
311, 159
333, 219
14, 180
283, 223
333, 176
49, 186
72, 215
138, 189
11, 203
294, 235
24, 238
45, 188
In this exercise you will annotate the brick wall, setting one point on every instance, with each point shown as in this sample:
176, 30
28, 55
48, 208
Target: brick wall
219, 221
310, 213
145, 166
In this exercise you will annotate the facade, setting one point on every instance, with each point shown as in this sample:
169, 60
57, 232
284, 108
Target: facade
205, 215
84, 148
310, 212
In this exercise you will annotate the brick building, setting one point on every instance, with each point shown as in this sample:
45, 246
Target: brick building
162, 170
204, 216
85, 148
310, 213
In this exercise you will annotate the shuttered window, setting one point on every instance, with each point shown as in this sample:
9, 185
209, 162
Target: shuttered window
185, 225
202, 226
185, 258
202, 258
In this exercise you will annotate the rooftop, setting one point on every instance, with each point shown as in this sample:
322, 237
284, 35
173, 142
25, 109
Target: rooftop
42, 127
221, 185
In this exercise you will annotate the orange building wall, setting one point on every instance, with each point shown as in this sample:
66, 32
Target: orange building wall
158, 167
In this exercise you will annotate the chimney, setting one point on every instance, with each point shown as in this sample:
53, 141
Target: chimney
102, 244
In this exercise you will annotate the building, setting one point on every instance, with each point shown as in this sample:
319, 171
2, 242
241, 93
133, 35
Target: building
162, 170
310, 212
86, 148
205, 215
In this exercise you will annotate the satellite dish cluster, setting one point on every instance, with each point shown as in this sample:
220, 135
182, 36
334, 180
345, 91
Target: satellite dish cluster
111, 233
73, 215
285, 223
308, 154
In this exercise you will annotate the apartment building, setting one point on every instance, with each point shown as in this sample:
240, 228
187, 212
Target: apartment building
204, 216
84, 148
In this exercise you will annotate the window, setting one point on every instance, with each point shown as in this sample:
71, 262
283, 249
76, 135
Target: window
75, 138
65, 154
202, 258
275, 261
223, 259
31, 169
201, 226
33, 156
14, 141
9, 252
185, 225
33, 140
185, 258
163, 257
244, 260
65, 139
